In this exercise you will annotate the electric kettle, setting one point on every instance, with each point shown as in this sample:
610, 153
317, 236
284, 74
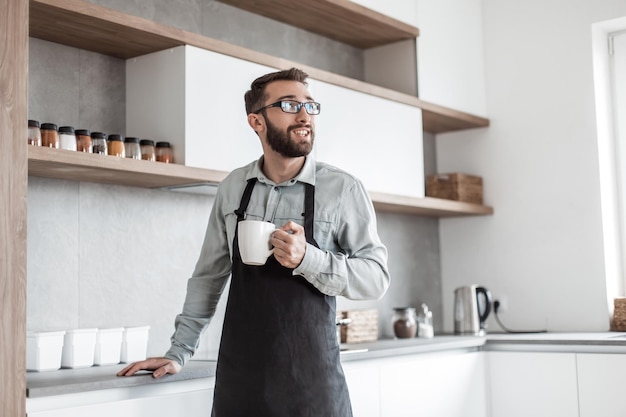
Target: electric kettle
472, 305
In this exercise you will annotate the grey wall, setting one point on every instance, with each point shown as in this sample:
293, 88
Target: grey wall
111, 256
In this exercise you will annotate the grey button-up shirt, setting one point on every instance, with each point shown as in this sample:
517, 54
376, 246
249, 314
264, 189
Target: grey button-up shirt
351, 261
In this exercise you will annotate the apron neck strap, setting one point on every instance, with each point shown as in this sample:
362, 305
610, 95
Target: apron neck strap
245, 199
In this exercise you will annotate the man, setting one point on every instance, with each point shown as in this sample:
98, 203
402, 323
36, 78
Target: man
279, 354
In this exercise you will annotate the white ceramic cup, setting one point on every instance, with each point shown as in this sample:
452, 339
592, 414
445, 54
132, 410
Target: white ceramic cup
254, 241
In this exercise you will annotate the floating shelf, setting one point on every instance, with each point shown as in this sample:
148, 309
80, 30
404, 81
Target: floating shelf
79, 166
98, 29
342, 20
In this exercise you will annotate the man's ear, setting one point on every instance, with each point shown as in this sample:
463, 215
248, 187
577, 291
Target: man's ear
256, 122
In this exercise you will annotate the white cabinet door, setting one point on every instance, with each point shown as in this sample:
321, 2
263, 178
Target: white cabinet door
601, 385
193, 98
442, 385
377, 140
533, 384
363, 384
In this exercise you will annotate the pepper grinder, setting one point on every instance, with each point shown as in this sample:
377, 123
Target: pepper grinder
425, 323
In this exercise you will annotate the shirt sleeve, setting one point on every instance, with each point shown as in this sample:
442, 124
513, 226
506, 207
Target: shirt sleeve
359, 271
204, 288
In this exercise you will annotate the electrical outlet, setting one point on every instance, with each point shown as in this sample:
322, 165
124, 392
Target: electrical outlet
503, 305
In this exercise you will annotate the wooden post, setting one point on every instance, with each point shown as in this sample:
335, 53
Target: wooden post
13, 193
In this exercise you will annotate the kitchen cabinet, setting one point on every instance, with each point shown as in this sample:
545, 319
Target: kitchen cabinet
363, 382
533, 384
182, 398
107, 31
444, 384
379, 141
601, 384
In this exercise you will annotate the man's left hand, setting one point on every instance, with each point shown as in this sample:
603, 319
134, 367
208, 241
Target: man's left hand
289, 244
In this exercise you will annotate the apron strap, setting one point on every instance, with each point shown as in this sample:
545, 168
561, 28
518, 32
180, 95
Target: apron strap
309, 212
245, 199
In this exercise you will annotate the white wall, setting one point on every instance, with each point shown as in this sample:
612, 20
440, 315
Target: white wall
542, 249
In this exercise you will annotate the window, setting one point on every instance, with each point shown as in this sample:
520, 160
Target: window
609, 58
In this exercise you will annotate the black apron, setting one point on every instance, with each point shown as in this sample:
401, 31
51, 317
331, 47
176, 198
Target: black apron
279, 354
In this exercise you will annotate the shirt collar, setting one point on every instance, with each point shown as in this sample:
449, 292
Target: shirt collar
307, 173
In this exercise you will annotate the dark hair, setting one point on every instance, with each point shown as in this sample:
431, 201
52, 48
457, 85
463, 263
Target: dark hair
255, 97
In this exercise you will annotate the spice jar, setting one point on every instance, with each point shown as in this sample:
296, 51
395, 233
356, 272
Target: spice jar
164, 152
115, 145
404, 324
99, 143
83, 141
132, 148
34, 133
425, 323
147, 150
49, 135
67, 138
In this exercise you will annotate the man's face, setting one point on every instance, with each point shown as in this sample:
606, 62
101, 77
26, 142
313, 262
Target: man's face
289, 134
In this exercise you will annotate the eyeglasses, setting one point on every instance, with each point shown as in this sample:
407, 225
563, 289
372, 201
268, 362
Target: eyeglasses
292, 106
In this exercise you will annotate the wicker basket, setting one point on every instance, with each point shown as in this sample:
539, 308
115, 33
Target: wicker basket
455, 186
362, 328
619, 314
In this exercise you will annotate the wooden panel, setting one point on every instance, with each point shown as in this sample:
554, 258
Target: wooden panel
78, 166
427, 206
13, 192
342, 20
94, 28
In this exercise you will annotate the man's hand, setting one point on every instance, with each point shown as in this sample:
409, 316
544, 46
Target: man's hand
289, 244
160, 366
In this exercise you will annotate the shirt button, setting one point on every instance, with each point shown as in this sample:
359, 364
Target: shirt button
275, 188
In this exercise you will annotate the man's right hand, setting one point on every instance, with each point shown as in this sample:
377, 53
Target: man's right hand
160, 366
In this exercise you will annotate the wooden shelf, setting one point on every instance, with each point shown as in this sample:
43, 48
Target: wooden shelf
79, 166
427, 206
94, 28
342, 20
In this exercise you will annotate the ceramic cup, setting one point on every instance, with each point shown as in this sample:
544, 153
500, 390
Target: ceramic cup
254, 241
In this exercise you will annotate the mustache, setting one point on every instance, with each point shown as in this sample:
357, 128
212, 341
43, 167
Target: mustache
296, 127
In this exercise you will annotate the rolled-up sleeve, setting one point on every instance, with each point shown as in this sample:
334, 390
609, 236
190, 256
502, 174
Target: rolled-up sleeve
359, 270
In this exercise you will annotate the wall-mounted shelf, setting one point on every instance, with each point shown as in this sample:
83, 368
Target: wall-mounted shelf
94, 28
342, 20
79, 166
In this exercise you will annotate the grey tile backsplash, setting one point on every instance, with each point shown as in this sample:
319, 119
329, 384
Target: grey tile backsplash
111, 256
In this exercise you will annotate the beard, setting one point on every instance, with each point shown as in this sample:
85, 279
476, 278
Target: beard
281, 143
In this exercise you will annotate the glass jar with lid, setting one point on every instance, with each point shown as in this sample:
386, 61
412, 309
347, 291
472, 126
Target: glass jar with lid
404, 323
132, 147
147, 150
83, 140
99, 143
115, 146
49, 135
34, 133
67, 138
164, 152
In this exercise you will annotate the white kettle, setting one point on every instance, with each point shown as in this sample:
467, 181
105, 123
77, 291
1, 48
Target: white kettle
472, 305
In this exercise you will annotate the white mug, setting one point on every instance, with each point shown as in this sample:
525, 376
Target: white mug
254, 241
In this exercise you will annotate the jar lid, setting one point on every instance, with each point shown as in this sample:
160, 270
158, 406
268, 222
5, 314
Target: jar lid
404, 309
98, 135
66, 129
116, 137
33, 123
146, 142
131, 139
82, 132
163, 145
49, 126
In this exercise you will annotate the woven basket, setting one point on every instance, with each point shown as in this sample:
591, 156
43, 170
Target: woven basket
455, 186
619, 314
362, 328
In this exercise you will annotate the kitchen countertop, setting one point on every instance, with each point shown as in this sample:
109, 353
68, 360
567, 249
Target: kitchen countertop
68, 381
